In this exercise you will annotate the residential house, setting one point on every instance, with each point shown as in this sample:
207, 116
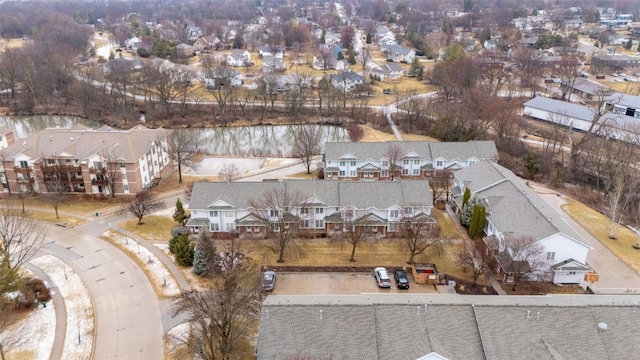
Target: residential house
398, 53
6, 137
514, 211
447, 326
615, 123
221, 76
616, 62
267, 50
417, 159
184, 50
207, 44
587, 89
346, 80
384, 36
133, 43
273, 64
86, 160
239, 57
325, 208
193, 33
389, 72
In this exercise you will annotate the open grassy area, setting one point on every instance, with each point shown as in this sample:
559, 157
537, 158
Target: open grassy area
448, 226
154, 227
598, 226
51, 217
70, 204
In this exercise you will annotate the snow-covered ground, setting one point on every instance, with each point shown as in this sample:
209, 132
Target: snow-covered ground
162, 279
78, 340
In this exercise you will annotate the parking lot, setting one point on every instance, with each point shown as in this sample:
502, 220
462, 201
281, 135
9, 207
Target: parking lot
341, 284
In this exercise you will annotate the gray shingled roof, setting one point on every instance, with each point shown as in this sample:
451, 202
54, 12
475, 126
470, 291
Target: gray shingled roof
80, 142
426, 149
362, 195
514, 209
561, 107
401, 331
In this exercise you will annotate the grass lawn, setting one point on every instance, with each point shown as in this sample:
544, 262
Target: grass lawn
448, 226
598, 226
51, 217
154, 227
304, 175
71, 204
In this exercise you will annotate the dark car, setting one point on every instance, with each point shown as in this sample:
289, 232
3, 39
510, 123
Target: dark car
401, 279
268, 280
382, 277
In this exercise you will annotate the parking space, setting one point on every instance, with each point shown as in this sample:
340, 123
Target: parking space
341, 284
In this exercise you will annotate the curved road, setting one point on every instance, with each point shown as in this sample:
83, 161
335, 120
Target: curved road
127, 310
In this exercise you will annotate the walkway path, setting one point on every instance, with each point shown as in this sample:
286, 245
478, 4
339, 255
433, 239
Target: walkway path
60, 309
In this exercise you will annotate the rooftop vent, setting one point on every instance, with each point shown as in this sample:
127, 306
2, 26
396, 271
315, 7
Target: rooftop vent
602, 326
71, 138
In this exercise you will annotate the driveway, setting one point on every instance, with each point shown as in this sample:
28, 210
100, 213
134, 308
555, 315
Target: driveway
342, 284
615, 275
127, 311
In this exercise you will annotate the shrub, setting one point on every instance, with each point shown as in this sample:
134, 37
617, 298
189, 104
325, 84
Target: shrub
33, 289
355, 133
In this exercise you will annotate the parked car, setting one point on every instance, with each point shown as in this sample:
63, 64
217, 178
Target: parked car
268, 280
382, 277
401, 279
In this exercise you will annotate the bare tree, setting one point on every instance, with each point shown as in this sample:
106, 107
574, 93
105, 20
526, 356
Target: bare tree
165, 83
183, 150
472, 260
56, 181
419, 232
523, 258
439, 183
307, 140
619, 201
218, 78
223, 317
21, 237
280, 211
394, 155
358, 226
142, 204
229, 172
567, 71
364, 58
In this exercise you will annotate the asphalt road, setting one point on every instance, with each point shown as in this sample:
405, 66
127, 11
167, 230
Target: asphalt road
127, 310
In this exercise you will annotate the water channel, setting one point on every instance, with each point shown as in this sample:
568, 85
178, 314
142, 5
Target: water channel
272, 141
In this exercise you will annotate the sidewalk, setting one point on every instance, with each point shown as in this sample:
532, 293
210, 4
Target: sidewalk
59, 308
168, 263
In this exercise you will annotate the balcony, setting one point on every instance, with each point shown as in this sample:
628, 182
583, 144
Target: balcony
74, 169
77, 180
25, 181
22, 170
98, 181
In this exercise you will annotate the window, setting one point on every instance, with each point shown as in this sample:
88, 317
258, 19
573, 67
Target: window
319, 224
352, 173
572, 272
275, 226
551, 255
385, 163
353, 163
123, 166
348, 213
273, 213
341, 173
319, 210
214, 227
49, 161
124, 176
125, 187
416, 171
405, 162
394, 213
393, 226
24, 164
407, 211
213, 213
228, 214
98, 165
405, 171
305, 224
230, 226
342, 163
439, 163
384, 173
416, 162
304, 211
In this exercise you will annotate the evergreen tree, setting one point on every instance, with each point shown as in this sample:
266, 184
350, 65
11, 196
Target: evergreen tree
368, 40
478, 218
474, 222
466, 197
179, 215
467, 212
638, 49
206, 258
628, 45
184, 251
175, 240
340, 55
352, 58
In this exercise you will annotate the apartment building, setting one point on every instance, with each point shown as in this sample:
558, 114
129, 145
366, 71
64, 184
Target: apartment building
82, 160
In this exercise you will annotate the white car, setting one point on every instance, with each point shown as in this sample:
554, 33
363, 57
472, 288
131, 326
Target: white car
382, 277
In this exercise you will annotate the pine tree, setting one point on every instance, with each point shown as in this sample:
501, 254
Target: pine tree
467, 212
179, 215
352, 58
628, 45
184, 251
206, 257
466, 197
175, 239
472, 231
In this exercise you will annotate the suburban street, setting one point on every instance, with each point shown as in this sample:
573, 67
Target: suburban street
127, 311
